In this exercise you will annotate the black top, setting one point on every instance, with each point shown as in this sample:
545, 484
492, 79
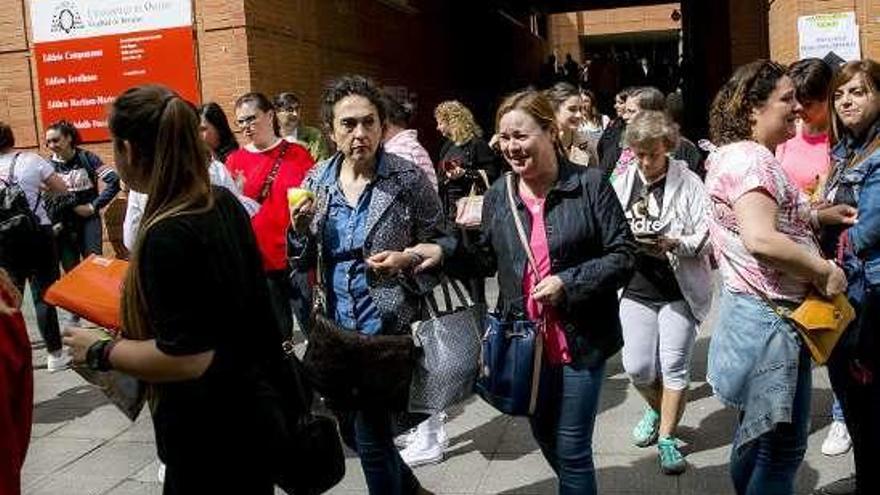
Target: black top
205, 290
591, 250
473, 156
653, 280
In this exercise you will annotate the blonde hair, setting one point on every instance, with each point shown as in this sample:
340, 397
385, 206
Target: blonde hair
459, 120
650, 127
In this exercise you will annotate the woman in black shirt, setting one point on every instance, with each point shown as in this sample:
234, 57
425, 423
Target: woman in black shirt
197, 322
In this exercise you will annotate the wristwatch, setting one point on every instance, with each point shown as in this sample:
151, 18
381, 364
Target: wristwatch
98, 355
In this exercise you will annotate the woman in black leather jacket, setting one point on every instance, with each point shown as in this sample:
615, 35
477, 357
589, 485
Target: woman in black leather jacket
585, 252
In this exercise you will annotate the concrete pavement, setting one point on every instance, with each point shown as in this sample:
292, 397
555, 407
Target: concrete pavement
82, 445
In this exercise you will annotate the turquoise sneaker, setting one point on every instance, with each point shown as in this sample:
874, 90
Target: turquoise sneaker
671, 460
645, 432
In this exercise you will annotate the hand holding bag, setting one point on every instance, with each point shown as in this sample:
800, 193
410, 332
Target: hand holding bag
819, 320
92, 290
351, 370
447, 368
469, 209
512, 350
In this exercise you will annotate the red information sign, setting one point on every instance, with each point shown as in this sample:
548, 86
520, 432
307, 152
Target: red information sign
89, 51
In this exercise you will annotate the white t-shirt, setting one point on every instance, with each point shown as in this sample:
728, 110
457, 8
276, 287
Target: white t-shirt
31, 170
137, 202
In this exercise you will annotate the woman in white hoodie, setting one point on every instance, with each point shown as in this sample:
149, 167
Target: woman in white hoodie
671, 290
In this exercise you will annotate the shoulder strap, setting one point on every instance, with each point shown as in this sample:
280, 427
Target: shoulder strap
10, 177
520, 230
273, 174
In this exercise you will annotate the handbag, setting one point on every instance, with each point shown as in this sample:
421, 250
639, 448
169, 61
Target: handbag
820, 321
469, 209
315, 462
351, 370
445, 372
512, 350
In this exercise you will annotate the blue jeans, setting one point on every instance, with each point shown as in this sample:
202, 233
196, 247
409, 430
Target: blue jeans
837, 411
563, 424
767, 465
384, 470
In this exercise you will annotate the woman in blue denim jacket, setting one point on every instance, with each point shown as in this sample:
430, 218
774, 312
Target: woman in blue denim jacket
760, 228
368, 207
855, 181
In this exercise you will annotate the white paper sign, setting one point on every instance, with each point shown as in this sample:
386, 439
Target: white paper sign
55, 20
823, 33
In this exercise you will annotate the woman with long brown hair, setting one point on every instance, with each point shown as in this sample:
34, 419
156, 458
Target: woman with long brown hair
195, 286
855, 180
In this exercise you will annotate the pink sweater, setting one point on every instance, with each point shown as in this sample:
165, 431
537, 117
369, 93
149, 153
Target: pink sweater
805, 159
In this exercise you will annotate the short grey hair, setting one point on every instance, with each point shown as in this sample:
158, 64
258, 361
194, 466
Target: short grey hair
649, 127
649, 98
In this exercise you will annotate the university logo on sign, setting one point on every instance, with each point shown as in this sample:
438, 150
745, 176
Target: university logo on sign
66, 18
89, 51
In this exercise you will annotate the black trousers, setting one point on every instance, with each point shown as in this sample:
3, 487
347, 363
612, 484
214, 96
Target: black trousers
854, 369
279, 296
41, 273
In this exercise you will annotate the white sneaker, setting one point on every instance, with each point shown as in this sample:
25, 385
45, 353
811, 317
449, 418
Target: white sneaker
58, 361
404, 440
424, 450
838, 441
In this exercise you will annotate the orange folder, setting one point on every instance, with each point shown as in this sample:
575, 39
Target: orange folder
92, 290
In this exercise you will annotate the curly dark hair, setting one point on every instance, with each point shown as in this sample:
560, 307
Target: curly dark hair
730, 118
66, 128
351, 86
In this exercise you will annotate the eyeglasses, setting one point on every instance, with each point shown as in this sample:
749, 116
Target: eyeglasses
246, 121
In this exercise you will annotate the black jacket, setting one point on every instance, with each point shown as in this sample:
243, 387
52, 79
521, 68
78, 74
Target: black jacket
591, 249
608, 147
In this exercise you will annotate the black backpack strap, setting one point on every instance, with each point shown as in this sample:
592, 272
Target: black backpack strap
10, 177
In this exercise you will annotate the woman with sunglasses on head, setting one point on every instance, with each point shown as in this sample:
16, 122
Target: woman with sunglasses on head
264, 169
82, 231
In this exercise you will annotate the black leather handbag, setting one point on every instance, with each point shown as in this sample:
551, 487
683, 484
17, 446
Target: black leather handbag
314, 461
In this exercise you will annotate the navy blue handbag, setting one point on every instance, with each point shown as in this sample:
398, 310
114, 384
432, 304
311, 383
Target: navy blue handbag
512, 349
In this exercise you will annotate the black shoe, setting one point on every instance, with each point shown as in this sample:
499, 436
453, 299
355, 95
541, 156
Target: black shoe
845, 486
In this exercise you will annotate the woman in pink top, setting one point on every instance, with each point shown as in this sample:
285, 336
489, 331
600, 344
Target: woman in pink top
805, 157
584, 253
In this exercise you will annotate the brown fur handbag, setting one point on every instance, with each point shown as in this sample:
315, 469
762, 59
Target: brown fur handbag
353, 371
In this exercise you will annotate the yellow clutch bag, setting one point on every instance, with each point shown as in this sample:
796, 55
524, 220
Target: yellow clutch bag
821, 322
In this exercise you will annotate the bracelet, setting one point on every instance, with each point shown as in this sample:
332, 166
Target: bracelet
104, 363
98, 355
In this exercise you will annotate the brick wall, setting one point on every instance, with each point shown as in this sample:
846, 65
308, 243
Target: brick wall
783, 24
565, 29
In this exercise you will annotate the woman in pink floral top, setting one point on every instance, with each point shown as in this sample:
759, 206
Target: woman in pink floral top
761, 232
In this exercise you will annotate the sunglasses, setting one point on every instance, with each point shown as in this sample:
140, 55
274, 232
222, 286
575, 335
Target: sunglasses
246, 121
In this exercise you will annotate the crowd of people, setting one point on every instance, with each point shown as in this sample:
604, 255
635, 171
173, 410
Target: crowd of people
628, 227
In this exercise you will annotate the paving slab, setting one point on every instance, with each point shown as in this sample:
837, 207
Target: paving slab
82, 445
